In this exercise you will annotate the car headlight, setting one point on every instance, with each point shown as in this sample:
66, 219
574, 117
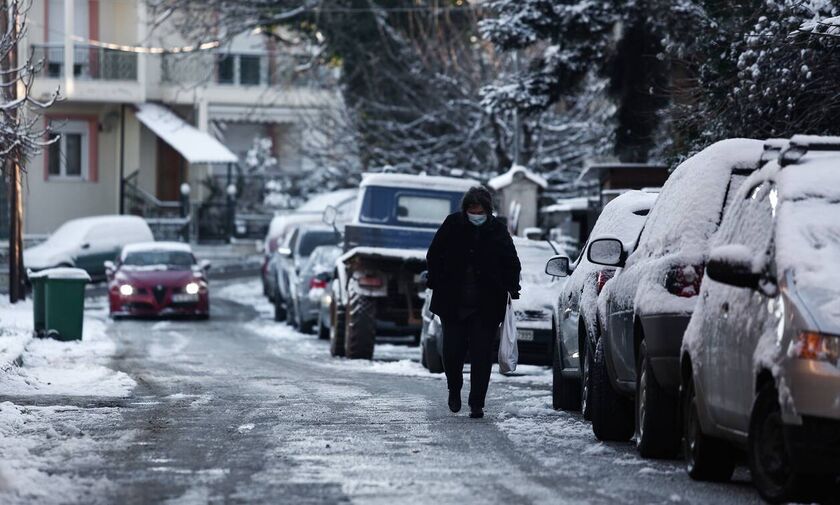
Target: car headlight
191, 288
126, 290
817, 346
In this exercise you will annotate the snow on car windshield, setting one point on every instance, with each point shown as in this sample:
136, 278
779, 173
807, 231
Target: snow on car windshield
71, 232
809, 242
175, 260
533, 256
322, 259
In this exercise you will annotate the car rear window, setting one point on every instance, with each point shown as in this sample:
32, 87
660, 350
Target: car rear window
309, 241
422, 209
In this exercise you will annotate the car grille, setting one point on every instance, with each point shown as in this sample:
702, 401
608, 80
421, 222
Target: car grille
532, 315
160, 293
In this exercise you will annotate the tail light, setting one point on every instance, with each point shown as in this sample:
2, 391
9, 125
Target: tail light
603, 277
316, 283
370, 281
684, 280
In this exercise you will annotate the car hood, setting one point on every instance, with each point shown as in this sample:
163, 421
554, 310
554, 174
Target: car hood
152, 277
823, 305
46, 255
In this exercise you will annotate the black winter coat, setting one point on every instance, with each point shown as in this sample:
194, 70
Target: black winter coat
495, 262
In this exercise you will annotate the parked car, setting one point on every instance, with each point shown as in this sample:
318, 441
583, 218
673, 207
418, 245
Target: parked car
647, 305
87, 243
761, 357
289, 261
310, 212
575, 321
158, 278
311, 284
533, 310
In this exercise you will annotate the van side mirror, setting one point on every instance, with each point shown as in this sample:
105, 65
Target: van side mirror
606, 251
330, 215
733, 265
558, 266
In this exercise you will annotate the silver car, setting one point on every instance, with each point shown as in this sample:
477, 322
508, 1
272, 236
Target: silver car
311, 286
761, 356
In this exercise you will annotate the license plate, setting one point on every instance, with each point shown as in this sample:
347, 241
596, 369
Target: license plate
525, 335
184, 298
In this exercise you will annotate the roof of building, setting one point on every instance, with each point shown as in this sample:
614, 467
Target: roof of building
516, 172
193, 144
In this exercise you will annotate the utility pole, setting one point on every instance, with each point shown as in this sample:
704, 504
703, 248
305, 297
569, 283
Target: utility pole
8, 24
517, 120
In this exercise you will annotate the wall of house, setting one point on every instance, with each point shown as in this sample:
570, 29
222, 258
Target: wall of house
50, 202
526, 194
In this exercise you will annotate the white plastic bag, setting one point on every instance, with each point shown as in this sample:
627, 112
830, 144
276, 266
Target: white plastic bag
508, 351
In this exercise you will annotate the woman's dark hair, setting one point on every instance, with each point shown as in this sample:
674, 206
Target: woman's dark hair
477, 195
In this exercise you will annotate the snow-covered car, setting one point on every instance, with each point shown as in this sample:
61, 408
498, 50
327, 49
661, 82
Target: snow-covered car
533, 310
158, 278
87, 243
575, 315
645, 308
310, 286
289, 261
311, 212
761, 355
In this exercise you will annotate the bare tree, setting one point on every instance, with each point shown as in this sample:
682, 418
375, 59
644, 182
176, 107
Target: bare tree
20, 133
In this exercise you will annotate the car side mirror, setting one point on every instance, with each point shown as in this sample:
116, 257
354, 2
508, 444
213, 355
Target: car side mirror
606, 251
558, 266
733, 265
109, 267
330, 215
204, 265
284, 251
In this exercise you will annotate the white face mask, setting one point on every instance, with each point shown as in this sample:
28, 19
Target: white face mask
477, 219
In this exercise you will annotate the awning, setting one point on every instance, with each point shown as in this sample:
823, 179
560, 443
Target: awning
193, 144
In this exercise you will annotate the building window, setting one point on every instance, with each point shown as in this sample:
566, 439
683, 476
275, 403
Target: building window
249, 70
67, 157
225, 67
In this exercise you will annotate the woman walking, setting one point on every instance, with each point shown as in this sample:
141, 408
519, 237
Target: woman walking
473, 267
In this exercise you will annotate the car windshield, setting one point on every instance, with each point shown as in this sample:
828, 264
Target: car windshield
322, 259
173, 260
533, 257
71, 232
808, 242
309, 241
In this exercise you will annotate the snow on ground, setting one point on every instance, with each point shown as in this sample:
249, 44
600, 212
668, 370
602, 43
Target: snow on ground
78, 368
15, 331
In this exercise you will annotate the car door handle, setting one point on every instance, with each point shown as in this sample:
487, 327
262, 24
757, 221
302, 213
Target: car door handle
724, 307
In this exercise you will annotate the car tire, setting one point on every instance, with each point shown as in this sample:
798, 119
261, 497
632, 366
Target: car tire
769, 461
307, 327
565, 392
279, 310
291, 318
612, 414
360, 334
657, 416
586, 380
433, 360
706, 458
337, 316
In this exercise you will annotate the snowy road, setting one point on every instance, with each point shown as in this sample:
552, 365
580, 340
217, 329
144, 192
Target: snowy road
239, 409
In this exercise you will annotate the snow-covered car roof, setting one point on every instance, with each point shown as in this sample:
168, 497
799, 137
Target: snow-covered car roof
624, 216
319, 203
155, 246
434, 182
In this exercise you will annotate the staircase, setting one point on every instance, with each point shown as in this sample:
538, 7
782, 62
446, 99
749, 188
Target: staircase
165, 218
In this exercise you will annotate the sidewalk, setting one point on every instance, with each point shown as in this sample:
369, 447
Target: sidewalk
15, 332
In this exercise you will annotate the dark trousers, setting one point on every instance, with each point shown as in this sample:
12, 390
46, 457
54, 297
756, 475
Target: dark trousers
476, 335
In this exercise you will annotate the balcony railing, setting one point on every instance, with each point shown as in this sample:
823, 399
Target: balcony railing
242, 69
89, 62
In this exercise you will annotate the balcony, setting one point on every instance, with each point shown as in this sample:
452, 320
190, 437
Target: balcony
89, 62
243, 69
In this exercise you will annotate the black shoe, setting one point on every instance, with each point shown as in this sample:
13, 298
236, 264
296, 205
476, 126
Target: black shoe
455, 401
476, 413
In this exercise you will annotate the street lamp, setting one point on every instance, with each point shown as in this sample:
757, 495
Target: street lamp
231, 195
185, 210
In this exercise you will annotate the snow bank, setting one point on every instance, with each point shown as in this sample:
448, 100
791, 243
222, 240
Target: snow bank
15, 331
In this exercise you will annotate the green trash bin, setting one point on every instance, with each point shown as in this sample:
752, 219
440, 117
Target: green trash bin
37, 280
64, 302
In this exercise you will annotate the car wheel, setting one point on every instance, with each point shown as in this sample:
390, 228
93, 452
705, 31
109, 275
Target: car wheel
706, 458
432, 358
770, 465
359, 337
565, 392
586, 380
657, 421
279, 310
306, 326
612, 414
337, 316
291, 318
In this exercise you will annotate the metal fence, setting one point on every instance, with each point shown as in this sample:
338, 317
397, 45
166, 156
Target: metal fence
89, 62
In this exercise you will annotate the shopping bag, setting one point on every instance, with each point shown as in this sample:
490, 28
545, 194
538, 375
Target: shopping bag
508, 351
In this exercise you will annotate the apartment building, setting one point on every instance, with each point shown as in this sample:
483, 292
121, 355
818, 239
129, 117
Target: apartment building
143, 112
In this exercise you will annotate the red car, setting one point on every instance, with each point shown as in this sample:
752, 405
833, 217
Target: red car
158, 279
